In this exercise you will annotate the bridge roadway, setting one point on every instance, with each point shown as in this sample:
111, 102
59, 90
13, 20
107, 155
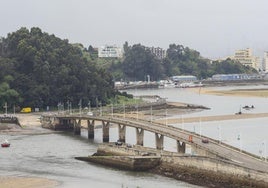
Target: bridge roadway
221, 150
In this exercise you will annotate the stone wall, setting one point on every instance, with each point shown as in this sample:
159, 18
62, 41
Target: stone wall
212, 171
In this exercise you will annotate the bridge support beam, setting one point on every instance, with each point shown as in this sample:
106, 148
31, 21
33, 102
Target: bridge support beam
77, 127
159, 141
90, 128
181, 147
105, 131
139, 136
122, 133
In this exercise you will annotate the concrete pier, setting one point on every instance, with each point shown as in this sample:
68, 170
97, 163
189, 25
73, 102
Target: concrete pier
77, 127
105, 131
122, 133
139, 136
90, 126
159, 141
181, 147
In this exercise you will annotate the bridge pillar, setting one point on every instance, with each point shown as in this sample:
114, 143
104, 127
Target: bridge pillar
105, 131
77, 127
90, 128
122, 133
139, 136
159, 141
180, 147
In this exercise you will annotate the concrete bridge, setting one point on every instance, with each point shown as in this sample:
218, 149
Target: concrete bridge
211, 149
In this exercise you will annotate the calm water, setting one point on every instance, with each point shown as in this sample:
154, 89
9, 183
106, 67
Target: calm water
52, 155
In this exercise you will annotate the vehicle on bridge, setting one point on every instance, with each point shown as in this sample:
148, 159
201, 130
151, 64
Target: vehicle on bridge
205, 140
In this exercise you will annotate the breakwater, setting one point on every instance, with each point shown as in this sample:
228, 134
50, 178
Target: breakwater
199, 170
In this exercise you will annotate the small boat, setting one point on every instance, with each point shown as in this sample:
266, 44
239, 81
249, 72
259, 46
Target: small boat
5, 144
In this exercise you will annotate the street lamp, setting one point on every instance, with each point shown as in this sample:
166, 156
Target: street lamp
100, 109
5, 106
124, 110
89, 106
240, 141
112, 109
265, 151
219, 129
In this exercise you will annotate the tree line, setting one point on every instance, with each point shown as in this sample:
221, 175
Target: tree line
40, 70
139, 61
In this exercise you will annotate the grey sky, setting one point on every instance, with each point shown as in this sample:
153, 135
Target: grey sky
215, 28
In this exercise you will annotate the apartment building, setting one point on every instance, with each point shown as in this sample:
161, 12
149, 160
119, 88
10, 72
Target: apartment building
245, 57
265, 62
110, 51
160, 53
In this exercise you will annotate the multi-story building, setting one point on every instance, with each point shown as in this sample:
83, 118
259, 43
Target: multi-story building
110, 51
246, 58
265, 62
160, 53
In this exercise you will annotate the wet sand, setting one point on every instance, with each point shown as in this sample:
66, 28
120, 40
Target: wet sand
212, 118
27, 122
26, 182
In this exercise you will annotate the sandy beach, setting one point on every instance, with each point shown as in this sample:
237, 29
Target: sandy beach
26, 182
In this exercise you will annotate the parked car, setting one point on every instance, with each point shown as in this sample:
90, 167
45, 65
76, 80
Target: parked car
118, 143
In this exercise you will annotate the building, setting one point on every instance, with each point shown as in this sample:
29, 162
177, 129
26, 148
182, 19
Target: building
110, 51
160, 53
184, 78
265, 62
231, 77
246, 58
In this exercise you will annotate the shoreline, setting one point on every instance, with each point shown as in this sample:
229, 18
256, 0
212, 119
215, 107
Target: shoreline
30, 122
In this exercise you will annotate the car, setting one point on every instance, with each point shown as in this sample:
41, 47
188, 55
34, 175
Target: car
118, 143
129, 145
90, 113
205, 140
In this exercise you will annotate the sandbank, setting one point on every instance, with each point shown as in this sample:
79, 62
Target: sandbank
26, 182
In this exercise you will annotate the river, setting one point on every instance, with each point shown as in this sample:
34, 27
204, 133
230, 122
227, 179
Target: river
51, 155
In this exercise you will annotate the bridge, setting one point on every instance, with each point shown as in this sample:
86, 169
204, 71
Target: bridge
213, 148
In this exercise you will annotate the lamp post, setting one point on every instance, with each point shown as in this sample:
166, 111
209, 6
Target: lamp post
240, 141
124, 108
200, 130
80, 107
100, 109
151, 113
89, 106
219, 129
112, 109
264, 151
5, 106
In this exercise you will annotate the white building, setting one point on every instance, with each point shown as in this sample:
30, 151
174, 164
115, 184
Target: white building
160, 53
246, 58
110, 51
265, 62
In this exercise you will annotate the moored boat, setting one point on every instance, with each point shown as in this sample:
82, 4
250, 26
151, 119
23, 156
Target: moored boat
5, 144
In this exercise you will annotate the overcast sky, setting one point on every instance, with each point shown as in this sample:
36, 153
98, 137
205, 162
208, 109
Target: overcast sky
215, 28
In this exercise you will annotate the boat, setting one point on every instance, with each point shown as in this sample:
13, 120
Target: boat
5, 144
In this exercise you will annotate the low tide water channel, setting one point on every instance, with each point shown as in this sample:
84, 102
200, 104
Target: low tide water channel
51, 155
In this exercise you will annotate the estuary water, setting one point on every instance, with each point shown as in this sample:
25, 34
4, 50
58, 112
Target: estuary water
51, 155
